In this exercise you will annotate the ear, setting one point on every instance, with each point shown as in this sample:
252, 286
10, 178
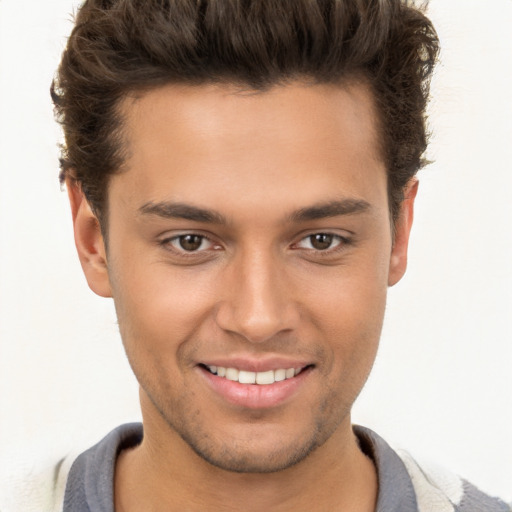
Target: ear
89, 241
398, 260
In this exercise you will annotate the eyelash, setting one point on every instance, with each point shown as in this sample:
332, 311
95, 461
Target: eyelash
342, 243
167, 244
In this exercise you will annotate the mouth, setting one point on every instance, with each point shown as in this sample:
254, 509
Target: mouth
255, 389
265, 378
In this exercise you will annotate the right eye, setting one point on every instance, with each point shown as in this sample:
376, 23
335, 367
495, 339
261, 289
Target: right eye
321, 242
190, 242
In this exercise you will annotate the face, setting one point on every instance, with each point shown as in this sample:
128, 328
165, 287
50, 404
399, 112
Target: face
249, 255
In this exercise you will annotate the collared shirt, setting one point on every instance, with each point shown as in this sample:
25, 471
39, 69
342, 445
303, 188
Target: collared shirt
85, 483
403, 485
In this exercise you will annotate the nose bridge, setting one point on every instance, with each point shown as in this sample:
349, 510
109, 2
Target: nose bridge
259, 304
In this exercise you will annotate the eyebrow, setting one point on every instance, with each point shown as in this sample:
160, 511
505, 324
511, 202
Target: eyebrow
170, 210
330, 209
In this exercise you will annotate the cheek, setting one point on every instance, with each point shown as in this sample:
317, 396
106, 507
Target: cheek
159, 304
348, 310
352, 295
158, 314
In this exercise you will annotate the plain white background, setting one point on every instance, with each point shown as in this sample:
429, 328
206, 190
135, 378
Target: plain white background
442, 383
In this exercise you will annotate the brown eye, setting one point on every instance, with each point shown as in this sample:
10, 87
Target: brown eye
190, 242
190, 245
321, 241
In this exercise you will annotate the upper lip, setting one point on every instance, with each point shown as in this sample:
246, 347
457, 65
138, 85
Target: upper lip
251, 364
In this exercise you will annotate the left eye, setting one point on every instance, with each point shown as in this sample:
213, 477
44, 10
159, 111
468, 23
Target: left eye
190, 243
320, 241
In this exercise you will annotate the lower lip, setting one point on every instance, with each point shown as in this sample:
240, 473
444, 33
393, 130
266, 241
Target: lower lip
255, 396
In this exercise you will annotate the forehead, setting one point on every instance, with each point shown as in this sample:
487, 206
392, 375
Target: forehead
223, 109
296, 137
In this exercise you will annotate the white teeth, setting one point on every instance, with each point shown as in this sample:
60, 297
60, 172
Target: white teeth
232, 373
246, 377
261, 378
265, 377
279, 375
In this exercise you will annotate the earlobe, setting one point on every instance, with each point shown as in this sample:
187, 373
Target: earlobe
89, 241
398, 259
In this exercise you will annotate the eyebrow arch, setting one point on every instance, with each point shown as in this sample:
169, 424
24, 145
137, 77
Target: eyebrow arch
330, 209
170, 210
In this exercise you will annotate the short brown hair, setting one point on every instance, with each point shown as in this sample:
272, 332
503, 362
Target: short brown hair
119, 47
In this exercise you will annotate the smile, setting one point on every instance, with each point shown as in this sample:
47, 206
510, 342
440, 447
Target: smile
242, 386
247, 377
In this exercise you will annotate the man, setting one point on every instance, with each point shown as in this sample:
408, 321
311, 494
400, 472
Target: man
241, 179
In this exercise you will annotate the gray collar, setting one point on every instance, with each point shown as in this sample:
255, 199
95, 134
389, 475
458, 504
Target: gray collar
396, 492
91, 478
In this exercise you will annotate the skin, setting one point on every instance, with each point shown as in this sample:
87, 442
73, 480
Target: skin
266, 164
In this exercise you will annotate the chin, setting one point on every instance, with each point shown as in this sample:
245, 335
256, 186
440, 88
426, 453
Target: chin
238, 457
255, 447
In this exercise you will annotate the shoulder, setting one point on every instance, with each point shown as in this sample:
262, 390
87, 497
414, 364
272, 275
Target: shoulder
440, 490
406, 485
79, 481
90, 480
37, 490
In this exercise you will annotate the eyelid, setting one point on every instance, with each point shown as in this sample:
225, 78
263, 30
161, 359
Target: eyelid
345, 238
345, 241
166, 243
337, 238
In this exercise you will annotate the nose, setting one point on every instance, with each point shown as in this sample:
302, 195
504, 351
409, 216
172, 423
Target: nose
258, 299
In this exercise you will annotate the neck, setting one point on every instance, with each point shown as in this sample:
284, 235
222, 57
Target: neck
164, 473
